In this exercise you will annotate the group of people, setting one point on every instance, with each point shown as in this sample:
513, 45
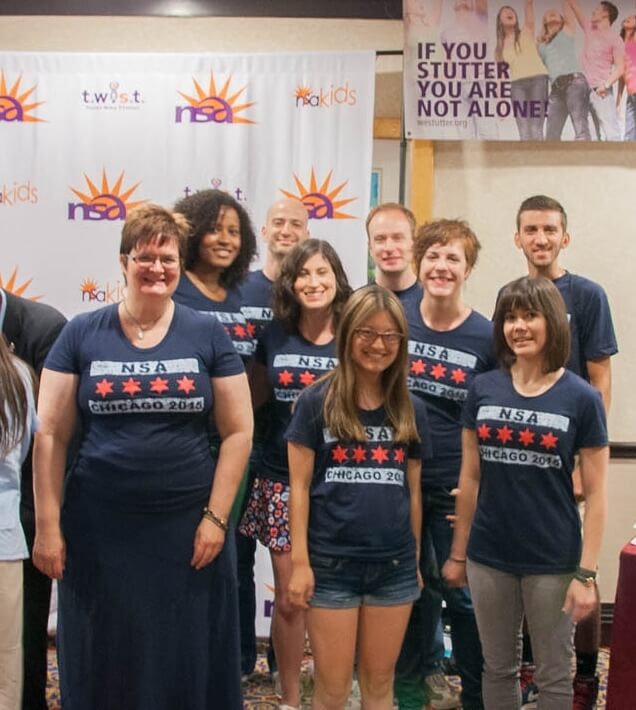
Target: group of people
370, 413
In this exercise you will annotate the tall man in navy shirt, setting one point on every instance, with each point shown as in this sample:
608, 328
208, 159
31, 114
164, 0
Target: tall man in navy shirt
286, 225
391, 230
31, 329
541, 235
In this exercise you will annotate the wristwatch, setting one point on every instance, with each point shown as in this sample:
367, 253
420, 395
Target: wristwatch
585, 576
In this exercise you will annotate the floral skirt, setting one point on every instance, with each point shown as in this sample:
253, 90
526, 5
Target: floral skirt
266, 516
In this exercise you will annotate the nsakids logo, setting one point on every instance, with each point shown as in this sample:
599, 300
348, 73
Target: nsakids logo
105, 202
320, 201
113, 98
19, 193
213, 105
92, 292
11, 285
13, 102
325, 98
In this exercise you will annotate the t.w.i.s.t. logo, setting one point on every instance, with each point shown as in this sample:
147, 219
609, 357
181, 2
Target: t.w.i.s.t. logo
320, 200
111, 202
17, 289
15, 104
214, 105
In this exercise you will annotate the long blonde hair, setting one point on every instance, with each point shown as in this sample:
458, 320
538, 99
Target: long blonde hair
14, 402
340, 409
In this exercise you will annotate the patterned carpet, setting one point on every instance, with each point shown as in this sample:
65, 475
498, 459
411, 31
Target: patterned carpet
259, 689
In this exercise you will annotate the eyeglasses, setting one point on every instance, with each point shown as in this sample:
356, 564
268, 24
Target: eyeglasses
145, 261
369, 335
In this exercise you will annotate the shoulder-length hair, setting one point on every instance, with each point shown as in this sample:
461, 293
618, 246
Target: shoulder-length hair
202, 210
14, 403
340, 409
501, 34
285, 304
540, 295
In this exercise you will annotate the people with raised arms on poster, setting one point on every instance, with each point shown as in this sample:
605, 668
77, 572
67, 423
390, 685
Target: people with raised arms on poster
528, 76
628, 80
603, 59
569, 90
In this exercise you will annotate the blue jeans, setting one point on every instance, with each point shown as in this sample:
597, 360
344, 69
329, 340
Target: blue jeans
630, 118
569, 96
524, 91
416, 661
605, 115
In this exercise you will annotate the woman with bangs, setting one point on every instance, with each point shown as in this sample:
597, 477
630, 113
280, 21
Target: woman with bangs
518, 536
355, 445
296, 349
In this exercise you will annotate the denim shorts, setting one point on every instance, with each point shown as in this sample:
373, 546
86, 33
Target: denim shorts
344, 583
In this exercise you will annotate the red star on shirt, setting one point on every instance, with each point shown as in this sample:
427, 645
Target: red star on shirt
483, 431
251, 329
239, 330
379, 454
458, 376
418, 367
526, 437
549, 441
359, 454
285, 378
131, 386
159, 385
185, 384
438, 371
104, 387
504, 434
306, 378
339, 454
398, 455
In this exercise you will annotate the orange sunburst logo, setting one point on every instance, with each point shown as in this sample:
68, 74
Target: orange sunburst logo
89, 286
320, 201
214, 105
111, 202
11, 285
13, 106
303, 92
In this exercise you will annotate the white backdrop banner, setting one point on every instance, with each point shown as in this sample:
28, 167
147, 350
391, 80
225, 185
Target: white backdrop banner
84, 138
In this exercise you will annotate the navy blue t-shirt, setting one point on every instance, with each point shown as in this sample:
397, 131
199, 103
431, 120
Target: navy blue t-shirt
442, 365
359, 497
228, 312
591, 327
292, 363
526, 521
256, 302
411, 295
145, 412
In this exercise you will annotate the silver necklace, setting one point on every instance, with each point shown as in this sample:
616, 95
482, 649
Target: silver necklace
141, 331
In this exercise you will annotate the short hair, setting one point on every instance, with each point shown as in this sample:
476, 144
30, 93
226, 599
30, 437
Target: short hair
202, 210
386, 207
150, 222
442, 231
611, 9
541, 295
285, 305
340, 407
542, 203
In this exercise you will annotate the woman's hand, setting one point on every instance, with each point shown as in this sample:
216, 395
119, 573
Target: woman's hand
580, 600
208, 542
455, 573
49, 552
301, 586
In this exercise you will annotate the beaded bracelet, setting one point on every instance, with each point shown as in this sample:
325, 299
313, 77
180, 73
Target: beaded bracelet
214, 518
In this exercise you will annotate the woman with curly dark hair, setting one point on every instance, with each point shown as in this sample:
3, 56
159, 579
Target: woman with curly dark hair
220, 247
297, 348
